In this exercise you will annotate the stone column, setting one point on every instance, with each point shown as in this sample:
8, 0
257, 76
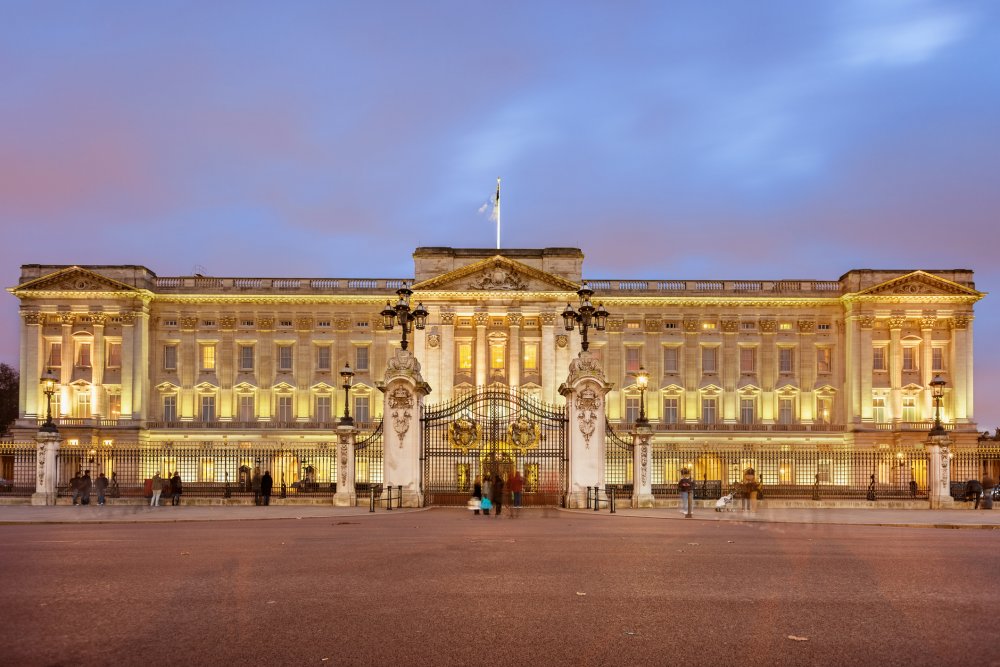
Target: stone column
926, 363
548, 352
642, 467
99, 407
345, 496
32, 362
404, 390
47, 472
729, 362
64, 399
585, 390
768, 369
866, 322
896, 323
514, 355
961, 372
939, 472
447, 375
482, 356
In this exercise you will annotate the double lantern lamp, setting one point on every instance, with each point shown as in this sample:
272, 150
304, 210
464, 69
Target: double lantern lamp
586, 315
401, 313
347, 375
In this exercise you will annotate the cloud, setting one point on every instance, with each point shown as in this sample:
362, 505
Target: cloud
897, 33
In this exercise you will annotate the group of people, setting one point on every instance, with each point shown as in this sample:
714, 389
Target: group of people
262, 485
82, 485
166, 486
488, 493
980, 492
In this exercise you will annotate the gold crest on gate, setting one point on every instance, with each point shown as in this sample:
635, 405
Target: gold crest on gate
463, 433
523, 434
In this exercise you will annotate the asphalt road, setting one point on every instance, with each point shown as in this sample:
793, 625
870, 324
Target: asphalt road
443, 587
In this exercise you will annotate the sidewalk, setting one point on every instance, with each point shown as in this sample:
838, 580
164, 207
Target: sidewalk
957, 518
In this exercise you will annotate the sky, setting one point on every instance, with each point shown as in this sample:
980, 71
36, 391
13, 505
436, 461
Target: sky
668, 140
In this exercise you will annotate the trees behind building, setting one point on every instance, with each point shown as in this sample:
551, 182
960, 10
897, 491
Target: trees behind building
9, 379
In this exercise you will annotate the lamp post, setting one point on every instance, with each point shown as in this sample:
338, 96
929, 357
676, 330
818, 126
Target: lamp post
642, 379
586, 315
348, 377
937, 392
49, 382
401, 313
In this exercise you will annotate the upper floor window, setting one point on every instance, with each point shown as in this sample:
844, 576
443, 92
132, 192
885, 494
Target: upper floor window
170, 408
114, 358
82, 404
55, 355
824, 359
823, 326
531, 356
285, 357
786, 410
670, 358
169, 357
631, 409
709, 410
246, 358
878, 358
709, 359
83, 354
786, 360
748, 325
208, 357
498, 354
748, 360
748, 411
937, 359
909, 409
208, 407
465, 356
670, 409
361, 358
324, 409
114, 406
247, 408
324, 358
284, 408
909, 358
361, 412
823, 410
632, 359
878, 409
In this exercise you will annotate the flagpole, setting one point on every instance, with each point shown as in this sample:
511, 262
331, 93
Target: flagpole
498, 212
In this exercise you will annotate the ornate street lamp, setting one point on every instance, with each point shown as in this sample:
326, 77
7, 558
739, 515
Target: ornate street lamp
586, 315
401, 313
937, 392
642, 379
348, 376
49, 382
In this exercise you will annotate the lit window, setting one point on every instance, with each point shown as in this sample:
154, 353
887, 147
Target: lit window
878, 409
115, 406
323, 358
497, 357
208, 357
670, 359
748, 360
784, 326
114, 358
531, 356
909, 409
878, 359
284, 357
824, 359
823, 410
465, 356
786, 360
708, 326
82, 404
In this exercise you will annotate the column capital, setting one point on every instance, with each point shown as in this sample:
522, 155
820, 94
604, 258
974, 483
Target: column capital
32, 317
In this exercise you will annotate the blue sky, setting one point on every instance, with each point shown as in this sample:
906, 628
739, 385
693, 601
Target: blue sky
666, 139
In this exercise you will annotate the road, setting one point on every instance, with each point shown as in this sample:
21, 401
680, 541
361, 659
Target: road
442, 587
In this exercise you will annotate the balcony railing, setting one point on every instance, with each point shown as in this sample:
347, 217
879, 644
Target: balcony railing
798, 428
255, 425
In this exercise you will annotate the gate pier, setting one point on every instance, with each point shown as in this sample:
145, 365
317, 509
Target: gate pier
585, 389
404, 389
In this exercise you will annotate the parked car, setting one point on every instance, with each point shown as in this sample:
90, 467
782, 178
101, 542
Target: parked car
6, 485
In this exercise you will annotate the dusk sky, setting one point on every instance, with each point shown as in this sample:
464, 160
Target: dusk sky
673, 140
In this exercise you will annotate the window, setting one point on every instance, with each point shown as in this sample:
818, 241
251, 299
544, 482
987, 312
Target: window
83, 354
323, 358
748, 411
55, 355
633, 325
670, 325
708, 326
937, 359
361, 409
709, 357
786, 360
82, 404
208, 407
878, 359
709, 407
285, 357
909, 358
114, 358
324, 409
287, 324
632, 362
498, 355
824, 360
670, 409
246, 323
361, 358
114, 406
170, 408
786, 410
246, 358
670, 359
246, 408
169, 357
823, 410
170, 323
208, 357
324, 324
823, 326
531, 356
284, 408
878, 409
784, 326
631, 409
748, 326
748, 360
909, 409
465, 356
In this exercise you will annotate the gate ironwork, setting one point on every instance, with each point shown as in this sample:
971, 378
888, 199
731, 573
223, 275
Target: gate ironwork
489, 431
618, 460
368, 462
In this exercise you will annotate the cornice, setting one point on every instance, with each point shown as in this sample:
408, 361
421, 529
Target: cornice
967, 299
145, 295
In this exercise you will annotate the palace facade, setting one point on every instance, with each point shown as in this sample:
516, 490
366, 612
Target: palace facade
843, 363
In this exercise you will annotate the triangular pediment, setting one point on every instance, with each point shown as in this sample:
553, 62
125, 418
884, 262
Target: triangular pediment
73, 279
497, 274
919, 283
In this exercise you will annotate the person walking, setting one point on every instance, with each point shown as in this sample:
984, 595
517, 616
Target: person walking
477, 493
496, 495
74, 485
749, 490
157, 489
685, 486
255, 485
974, 491
266, 484
101, 484
517, 489
176, 489
487, 494
86, 483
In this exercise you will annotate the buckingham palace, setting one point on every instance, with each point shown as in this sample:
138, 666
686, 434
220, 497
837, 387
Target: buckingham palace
496, 360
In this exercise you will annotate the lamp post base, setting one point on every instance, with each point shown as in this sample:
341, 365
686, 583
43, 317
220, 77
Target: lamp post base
43, 499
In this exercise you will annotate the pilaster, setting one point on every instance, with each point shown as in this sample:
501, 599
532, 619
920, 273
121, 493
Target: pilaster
939, 472
926, 364
46, 468
345, 495
31, 359
482, 358
642, 467
548, 353
404, 389
895, 366
514, 354
585, 390
447, 355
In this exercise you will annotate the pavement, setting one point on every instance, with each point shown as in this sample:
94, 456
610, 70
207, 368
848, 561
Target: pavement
905, 518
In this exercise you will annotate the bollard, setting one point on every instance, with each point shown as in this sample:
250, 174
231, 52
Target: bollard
597, 496
400, 496
611, 499
371, 492
588, 497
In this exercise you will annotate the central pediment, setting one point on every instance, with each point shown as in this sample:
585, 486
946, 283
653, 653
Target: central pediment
919, 283
497, 274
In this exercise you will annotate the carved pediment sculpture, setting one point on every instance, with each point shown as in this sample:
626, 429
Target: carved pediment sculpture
73, 279
498, 277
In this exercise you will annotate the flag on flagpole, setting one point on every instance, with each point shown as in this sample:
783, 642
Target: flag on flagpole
496, 211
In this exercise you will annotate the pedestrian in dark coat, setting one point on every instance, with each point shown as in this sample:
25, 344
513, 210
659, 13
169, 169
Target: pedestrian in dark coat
974, 491
477, 493
176, 489
266, 483
496, 494
74, 485
255, 485
86, 483
101, 484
